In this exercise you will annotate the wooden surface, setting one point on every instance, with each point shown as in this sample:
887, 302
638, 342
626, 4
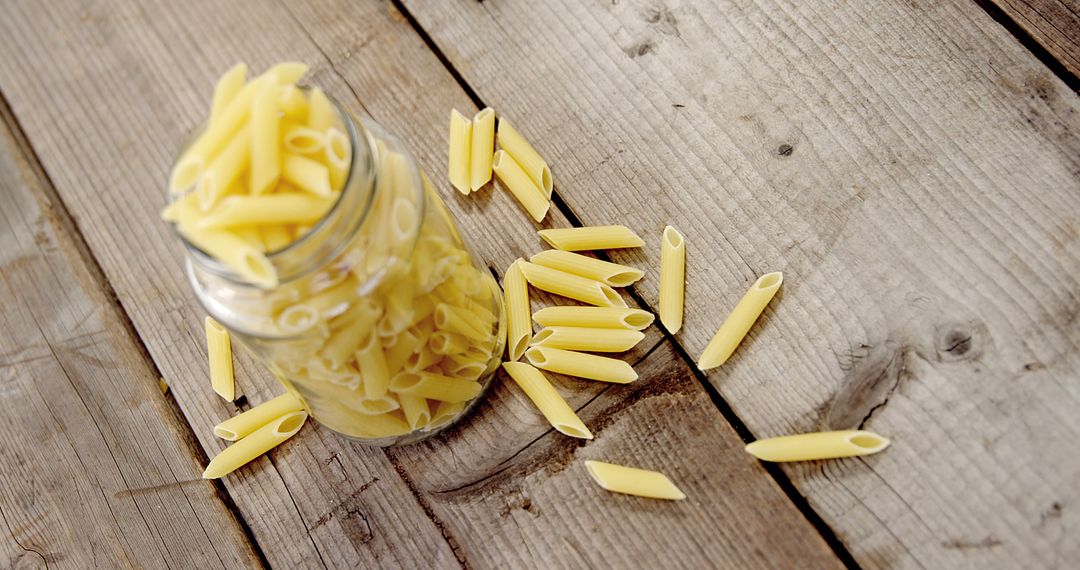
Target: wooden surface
912, 169
1054, 24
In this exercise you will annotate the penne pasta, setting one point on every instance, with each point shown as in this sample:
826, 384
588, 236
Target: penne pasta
338, 151
672, 279
591, 238
321, 113
292, 102
458, 156
219, 351
257, 443
632, 481
224, 170
570, 285
434, 386
444, 343
265, 125
525, 155
481, 148
308, 175
275, 237
245, 210
288, 72
423, 359
226, 89
405, 344
299, 139
359, 323
821, 445
374, 406
611, 274
558, 413
456, 320
391, 424
527, 193
516, 298
445, 413
587, 339
582, 365
416, 410
237, 254
738, 323
239, 426
595, 317
371, 360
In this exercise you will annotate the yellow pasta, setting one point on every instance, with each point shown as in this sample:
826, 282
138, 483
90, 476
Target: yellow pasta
416, 410
444, 343
525, 155
219, 350
374, 406
527, 193
237, 254
299, 139
230, 83
612, 274
558, 413
458, 156
292, 102
738, 323
482, 148
821, 445
581, 365
405, 344
241, 425
445, 413
321, 113
587, 339
224, 170
570, 285
434, 386
309, 175
338, 151
591, 238
454, 319
257, 443
275, 237
672, 279
359, 323
265, 125
251, 236
423, 359
633, 481
288, 72
595, 317
246, 210
371, 360
516, 298
390, 424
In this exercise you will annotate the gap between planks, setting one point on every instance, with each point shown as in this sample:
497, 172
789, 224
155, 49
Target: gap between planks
66, 223
779, 477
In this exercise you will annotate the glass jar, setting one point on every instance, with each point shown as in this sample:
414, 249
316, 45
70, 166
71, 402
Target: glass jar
382, 323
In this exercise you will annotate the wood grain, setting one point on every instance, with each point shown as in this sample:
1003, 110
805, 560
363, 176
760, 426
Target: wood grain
96, 468
1055, 24
916, 175
347, 510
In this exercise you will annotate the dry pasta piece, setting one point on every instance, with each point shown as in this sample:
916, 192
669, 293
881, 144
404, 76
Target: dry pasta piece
416, 410
359, 323
518, 325
292, 102
672, 279
527, 193
821, 445
482, 148
570, 285
308, 175
288, 72
299, 139
391, 424
265, 125
738, 323
257, 443
219, 351
633, 481
591, 237
275, 237
525, 155
338, 151
374, 406
237, 254
241, 425
445, 413
458, 156
558, 413
457, 320
226, 89
224, 170
587, 339
371, 360
611, 274
247, 210
321, 113
581, 365
435, 386
595, 317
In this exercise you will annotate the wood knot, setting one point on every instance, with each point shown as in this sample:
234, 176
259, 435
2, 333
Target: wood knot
957, 342
873, 374
785, 150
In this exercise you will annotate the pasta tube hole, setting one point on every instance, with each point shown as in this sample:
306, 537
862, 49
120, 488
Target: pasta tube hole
672, 237
573, 431
638, 320
770, 280
404, 218
337, 147
536, 356
871, 442
303, 141
612, 297
377, 407
298, 318
185, 174
226, 434
545, 180
540, 337
624, 278
405, 380
290, 424
258, 268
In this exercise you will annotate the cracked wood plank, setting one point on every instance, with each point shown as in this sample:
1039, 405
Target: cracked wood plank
97, 469
1054, 24
916, 175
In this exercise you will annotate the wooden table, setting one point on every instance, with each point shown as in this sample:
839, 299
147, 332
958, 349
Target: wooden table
912, 167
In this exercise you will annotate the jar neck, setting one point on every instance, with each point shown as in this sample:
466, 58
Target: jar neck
333, 232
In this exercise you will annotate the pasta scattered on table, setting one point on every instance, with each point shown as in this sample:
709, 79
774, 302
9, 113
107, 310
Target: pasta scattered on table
633, 481
820, 445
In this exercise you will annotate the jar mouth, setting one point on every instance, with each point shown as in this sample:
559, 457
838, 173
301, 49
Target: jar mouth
363, 154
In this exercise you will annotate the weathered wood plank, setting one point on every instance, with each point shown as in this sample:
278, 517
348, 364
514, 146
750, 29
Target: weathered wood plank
1054, 24
916, 175
96, 469
106, 101
317, 469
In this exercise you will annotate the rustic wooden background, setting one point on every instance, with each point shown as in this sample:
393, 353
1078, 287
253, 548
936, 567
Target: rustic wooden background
912, 167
